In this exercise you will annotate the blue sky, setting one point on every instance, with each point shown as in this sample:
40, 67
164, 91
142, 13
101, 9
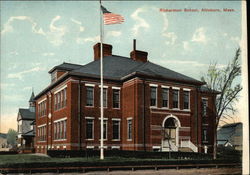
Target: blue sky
36, 36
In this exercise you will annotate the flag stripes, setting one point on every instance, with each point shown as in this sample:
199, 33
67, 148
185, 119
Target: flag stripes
111, 18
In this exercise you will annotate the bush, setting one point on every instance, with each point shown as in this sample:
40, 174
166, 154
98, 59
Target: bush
129, 154
228, 153
8, 152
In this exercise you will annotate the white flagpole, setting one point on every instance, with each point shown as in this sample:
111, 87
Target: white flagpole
101, 71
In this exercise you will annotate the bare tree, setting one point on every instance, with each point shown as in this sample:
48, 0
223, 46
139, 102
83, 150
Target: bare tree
223, 81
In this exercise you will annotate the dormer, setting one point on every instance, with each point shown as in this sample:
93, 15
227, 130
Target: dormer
58, 71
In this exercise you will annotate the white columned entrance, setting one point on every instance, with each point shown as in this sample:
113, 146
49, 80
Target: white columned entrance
170, 140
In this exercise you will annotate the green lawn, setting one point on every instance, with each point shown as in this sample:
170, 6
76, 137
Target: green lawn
27, 158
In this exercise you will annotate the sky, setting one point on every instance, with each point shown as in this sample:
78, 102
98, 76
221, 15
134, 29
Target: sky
36, 36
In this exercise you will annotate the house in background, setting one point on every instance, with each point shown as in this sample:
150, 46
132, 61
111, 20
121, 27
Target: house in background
3, 142
25, 126
146, 107
230, 135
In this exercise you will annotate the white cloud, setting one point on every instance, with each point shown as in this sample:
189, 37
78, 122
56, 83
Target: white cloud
236, 39
56, 33
6, 85
27, 88
170, 36
9, 28
20, 75
186, 46
199, 35
89, 39
14, 53
81, 28
48, 54
114, 33
140, 22
188, 62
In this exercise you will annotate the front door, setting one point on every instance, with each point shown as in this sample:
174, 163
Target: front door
169, 140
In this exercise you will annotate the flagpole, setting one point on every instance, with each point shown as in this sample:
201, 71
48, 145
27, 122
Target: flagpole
101, 72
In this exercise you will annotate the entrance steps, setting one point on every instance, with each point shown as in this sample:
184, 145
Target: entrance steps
185, 149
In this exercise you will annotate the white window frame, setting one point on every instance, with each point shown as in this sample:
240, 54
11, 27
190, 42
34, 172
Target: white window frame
130, 139
104, 87
119, 129
116, 88
165, 87
93, 127
187, 90
156, 94
93, 92
178, 89
104, 120
59, 122
204, 98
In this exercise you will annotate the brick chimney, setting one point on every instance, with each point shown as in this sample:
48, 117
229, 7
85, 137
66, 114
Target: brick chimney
138, 55
107, 50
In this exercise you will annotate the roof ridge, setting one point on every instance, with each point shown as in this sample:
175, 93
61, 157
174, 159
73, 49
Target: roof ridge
72, 64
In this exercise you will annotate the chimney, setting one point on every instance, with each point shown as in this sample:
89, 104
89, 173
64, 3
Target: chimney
138, 55
107, 50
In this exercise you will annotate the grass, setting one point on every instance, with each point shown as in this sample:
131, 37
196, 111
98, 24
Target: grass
31, 158
25, 159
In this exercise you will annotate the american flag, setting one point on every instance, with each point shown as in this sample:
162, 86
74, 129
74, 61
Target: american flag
111, 18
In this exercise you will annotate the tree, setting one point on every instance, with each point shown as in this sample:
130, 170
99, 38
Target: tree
224, 80
11, 137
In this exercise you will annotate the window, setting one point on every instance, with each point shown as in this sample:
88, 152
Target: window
116, 98
54, 130
42, 108
105, 128
55, 102
60, 99
89, 129
49, 131
165, 97
60, 129
204, 106
175, 98
65, 96
153, 96
186, 97
116, 129
41, 133
104, 97
90, 96
129, 129
53, 76
204, 135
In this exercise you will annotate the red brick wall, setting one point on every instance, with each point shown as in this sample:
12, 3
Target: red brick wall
131, 105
